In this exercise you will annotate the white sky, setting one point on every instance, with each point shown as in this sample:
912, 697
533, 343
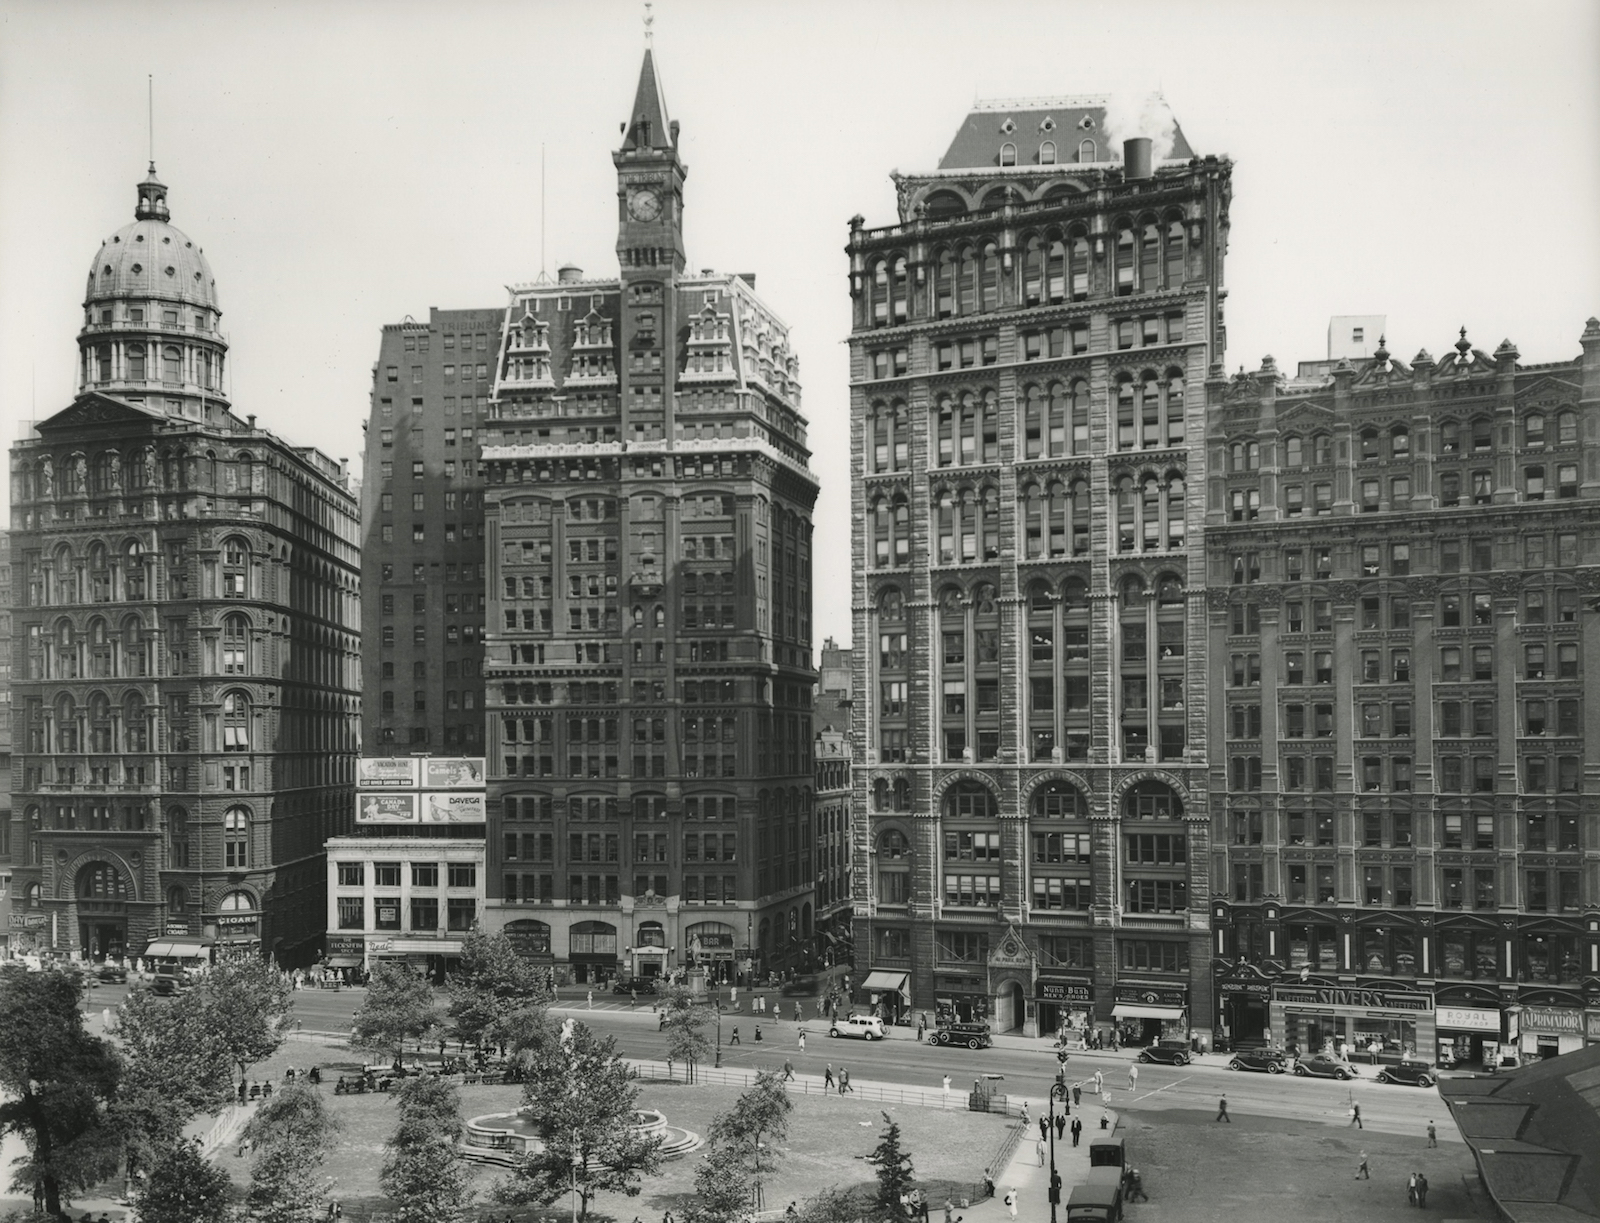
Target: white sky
347, 163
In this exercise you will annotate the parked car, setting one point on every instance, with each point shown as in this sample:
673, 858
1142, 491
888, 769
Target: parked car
972, 1035
1414, 1074
1271, 1061
868, 1027
1167, 1052
805, 984
167, 984
1324, 1067
634, 985
113, 972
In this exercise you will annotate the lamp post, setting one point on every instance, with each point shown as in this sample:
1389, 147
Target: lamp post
716, 1004
1059, 1087
577, 1162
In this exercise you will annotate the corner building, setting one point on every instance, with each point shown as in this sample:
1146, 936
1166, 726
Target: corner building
648, 666
185, 653
1404, 568
1028, 463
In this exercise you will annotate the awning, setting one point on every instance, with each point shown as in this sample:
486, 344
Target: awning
409, 946
1124, 1011
344, 961
890, 982
182, 951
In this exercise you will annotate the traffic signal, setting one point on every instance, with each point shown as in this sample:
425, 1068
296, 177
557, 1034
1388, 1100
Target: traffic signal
1061, 1056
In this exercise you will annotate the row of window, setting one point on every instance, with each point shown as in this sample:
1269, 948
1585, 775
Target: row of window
1047, 892
461, 913
1475, 555
1375, 719
1054, 951
1393, 948
1457, 664
1543, 830
1372, 445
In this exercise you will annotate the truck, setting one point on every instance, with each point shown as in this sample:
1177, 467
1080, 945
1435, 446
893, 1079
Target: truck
1098, 1199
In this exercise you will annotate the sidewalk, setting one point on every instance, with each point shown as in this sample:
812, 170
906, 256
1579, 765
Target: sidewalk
1031, 1181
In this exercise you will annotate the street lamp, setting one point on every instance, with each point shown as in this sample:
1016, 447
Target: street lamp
577, 1162
1059, 1087
716, 1004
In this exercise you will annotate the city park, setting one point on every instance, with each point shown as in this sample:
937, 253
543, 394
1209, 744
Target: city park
467, 1103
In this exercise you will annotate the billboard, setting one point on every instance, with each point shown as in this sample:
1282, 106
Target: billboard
452, 773
442, 807
386, 808
389, 772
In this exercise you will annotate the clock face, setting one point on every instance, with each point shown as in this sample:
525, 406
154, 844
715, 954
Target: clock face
644, 205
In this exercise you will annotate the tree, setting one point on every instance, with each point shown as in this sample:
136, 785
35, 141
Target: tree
894, 1172
423, 1172
175, 1065
250, 1007
398, 1007
721, 1187
497, 996
684, 1021
761, 1111
291, 1133
580, 1095
56, 1080
185, 1187
831, 1205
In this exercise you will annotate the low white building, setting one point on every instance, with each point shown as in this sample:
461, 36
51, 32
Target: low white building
402, 897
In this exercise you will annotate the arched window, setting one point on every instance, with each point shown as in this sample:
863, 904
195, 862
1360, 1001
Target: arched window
99, 723
1059, 800
1321, 450
1047, 153
879, 293
991, 277
970, 800
900, 291
178, 838
235, 722
1080, 416
1080, 267
235, 645
135, 649
1175, 258
171, 364
1126, 412
100, 650
1567, 429
1152, 800
133, 570
235, 568
1056, 270
236, 838
136, 363
967, 278
1033, 270
101, 881
1008, 154
1149, 257
944, 280
66, 647
237, 902
1124, 261
99, 574
1086, 151
1369, 444
135, 724
177, 900
1400, 442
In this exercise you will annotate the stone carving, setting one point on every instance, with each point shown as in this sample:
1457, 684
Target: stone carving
1344, 592
1218, 597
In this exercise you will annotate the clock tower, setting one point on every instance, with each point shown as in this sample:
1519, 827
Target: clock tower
650, 251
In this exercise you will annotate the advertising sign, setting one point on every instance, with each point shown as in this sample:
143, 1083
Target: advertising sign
386, 773
386, 808
452, 773
1467, 1019
1149, 995
345, 945
1552, 1020
529, 938
1351, 998
1064, 991
448, 808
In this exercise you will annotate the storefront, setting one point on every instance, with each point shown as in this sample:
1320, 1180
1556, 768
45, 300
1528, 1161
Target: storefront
960, 999
1462, 1032
1550, 1030
1342, 1020
1063, 1004
236, 926
887, 994
344, 952
436, 957
1591, 1021
592, 951
649, 951
1148, 1013
1244, 1002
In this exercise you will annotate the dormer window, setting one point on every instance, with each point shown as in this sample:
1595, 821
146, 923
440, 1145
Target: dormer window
1086, 151
1047, 153
1008, 127
1008, 154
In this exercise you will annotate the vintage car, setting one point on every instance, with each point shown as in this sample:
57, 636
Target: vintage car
1270, 1061
1167, 1052
1414, 1074
634, 985
867, 1027
972, 1035
1324, 1067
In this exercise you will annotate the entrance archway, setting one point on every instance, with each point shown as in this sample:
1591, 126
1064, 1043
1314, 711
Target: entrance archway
1009, 1010
102, 896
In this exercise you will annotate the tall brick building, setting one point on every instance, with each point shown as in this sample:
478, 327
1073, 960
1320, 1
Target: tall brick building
1403, 565
1028, 464
422, 566
185, 659
648, 665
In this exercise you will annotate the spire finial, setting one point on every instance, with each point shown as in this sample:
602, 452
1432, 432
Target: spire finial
649, 23
150, 116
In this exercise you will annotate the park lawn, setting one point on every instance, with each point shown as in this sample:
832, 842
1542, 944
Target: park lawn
826, 1145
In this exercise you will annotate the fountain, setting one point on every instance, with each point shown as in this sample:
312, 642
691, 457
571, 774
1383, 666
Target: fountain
504, 1138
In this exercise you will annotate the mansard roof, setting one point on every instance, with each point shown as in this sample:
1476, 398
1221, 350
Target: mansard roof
1029, 122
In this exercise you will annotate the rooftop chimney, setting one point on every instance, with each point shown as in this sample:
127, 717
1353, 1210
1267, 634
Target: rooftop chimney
252, 419
568, 274
1136, 158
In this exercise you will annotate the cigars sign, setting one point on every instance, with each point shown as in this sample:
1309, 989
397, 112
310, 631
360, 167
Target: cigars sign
1360, 999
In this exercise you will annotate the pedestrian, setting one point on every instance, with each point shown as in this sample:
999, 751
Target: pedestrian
1362, 1172
1099, 1083
1077, 1130
591, 1000
788, 1070
1011, 1201
1355, 1116
1044, 1128
1061, 1127
1372, 1053
1133, 1075
244, 1147
1222, 1109
802, 1040
947, 1091
922, 1027
1024, 1114
669, 1067
949, 1208
844, 1081
1077, 1093
1411, 1190
1136, 1186
988, 1184
827, 1078
1105, 1119
1422, 1190
242, 1091
441, 1048
633, 996
1038, 1147
758, 1033
790, 1213
1433, 1135
797, 1010
734, 1039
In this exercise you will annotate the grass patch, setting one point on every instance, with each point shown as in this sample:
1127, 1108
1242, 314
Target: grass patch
826, 1146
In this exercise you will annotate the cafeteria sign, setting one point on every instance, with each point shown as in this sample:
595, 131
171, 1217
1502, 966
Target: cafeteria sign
1344, 996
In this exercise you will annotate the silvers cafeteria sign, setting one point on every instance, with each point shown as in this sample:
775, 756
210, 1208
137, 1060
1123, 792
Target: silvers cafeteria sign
1338, 995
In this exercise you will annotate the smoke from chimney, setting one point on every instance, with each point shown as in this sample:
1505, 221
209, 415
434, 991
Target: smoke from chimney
1131, 115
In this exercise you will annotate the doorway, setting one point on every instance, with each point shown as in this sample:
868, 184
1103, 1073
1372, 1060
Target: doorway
1008, 1007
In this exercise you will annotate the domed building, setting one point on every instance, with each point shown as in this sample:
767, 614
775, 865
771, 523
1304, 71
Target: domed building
185, 603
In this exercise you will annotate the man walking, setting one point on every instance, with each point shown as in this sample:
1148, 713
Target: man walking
1222, 1110
1422, 1190
788, 1071
827, 1078
1011, 1202
1099, 1083
1411, 1190
1133, 1075
1077, 1130
1362, 1172
922, 1027
1061, 1127
1433, 1135
734, 1039
802, 1040
844, 1081
947, 1098
1355, 1116
1077, 1093
1044, 1128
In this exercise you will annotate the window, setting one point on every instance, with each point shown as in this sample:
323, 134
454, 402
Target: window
236, 838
